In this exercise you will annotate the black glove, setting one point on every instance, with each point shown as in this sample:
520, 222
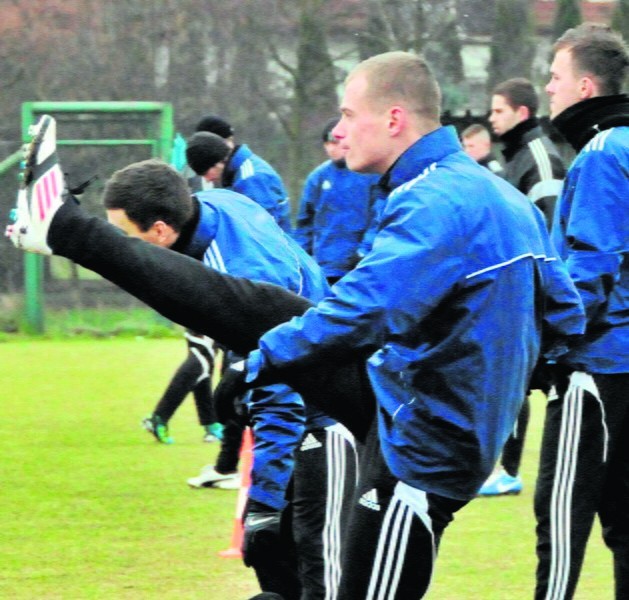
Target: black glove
228, 392
543, 377
261, 533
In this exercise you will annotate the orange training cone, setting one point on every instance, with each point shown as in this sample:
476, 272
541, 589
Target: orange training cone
246, 461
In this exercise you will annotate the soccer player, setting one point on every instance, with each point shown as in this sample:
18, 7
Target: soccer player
584, 462
335, 211
533, 165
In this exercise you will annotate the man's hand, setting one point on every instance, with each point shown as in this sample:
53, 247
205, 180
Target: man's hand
229, 390
261, 533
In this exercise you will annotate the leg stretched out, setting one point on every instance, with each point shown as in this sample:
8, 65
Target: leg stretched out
233, 311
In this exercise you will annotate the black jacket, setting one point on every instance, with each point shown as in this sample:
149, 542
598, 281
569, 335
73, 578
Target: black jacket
533, 165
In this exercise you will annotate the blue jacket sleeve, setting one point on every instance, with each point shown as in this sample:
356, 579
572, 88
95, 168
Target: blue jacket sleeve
392, 289
594, 248
278, 417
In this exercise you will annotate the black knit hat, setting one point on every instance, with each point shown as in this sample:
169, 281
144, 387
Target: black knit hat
326, 134
216, 125
204, 150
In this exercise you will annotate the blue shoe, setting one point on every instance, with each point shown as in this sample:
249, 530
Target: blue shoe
501, 484
213, 432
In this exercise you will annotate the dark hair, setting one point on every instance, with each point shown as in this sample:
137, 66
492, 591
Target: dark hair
598, 51
326, 134
150, 191
216, 125
518, 92
204, 150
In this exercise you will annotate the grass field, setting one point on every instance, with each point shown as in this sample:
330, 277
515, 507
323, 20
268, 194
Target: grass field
91, 507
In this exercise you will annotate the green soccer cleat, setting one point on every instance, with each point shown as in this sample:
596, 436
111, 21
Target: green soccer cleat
155, 426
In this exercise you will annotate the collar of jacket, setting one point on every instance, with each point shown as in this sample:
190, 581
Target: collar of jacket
186, 242
520, 135
582, 121
430, 148
238, 155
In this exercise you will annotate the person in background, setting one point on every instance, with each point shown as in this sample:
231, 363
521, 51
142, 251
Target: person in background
532, 162
335, 211
206, 154
476, 141
249, 174
584, 460
195, 372
533, 165
193, 375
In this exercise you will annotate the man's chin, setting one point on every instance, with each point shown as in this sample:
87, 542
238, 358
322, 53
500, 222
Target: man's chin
357, 167
554, 111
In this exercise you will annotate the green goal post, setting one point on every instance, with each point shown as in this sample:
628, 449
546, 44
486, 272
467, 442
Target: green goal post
159, 137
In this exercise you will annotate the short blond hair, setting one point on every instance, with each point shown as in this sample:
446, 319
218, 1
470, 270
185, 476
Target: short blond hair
476, 129
401, 77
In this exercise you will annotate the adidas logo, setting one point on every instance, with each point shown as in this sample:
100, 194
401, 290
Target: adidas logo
310, 443
370, 500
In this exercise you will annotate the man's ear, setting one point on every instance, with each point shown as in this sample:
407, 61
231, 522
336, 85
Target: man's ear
162, 230
397, 119
523, 113
588, 87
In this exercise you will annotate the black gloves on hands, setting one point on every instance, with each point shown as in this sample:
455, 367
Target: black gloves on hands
262, 537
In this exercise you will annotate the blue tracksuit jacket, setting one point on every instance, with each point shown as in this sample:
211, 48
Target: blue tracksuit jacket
234, 235
334, 213
448, 309
596, 250
253, 177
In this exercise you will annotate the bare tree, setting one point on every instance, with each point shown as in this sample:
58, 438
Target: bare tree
429, 27
620, 18
512, 46
568, 15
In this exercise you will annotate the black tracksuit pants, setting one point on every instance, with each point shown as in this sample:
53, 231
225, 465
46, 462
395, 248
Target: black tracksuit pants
309, 564
514, 446
584, 472
192, 375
